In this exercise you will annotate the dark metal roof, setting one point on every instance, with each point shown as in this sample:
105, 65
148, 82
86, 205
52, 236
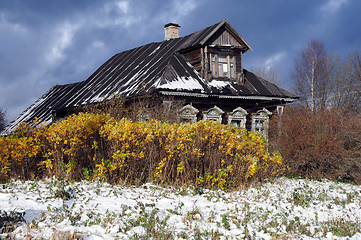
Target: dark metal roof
143, 70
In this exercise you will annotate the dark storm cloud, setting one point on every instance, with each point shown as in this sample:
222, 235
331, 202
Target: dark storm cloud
44, 43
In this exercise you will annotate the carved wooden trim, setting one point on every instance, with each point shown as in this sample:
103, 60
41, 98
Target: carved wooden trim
214, 113
260, 121
188, 113
239, 117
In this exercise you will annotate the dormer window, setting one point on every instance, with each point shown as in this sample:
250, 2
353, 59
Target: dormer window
223, 65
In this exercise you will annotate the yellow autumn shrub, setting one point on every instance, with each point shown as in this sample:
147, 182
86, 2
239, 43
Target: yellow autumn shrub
96, 146
206, 153
72, 144
20, 152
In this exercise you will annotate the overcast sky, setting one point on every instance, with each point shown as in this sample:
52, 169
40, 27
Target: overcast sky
49, 42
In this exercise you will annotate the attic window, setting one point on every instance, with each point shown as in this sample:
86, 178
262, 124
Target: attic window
223, 66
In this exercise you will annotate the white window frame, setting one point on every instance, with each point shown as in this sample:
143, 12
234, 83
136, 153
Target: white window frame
238, 115
188, 113
280, 110
214, 113
260, 121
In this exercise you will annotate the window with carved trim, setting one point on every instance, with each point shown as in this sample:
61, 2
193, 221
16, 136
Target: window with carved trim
188, 113
238, 117
260, 125
260, 121
223, 65
214, 113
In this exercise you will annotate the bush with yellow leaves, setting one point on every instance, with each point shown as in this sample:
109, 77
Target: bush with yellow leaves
19, 152
205, 153
72, 144
95, 146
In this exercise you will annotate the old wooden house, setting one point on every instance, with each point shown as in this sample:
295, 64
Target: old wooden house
203, 69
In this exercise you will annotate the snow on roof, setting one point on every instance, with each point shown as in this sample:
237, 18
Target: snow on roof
182, 83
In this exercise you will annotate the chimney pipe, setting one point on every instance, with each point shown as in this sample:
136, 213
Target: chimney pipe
171, 31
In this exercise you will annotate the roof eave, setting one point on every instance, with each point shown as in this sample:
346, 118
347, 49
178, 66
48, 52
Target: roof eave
205, 95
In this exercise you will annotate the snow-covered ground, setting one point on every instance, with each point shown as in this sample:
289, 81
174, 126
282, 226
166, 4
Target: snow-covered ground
285, 209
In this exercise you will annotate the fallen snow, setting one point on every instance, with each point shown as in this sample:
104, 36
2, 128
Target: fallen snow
219, 84
182, 83
296, 209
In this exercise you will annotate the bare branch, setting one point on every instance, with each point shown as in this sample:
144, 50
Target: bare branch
310, 75
268, 73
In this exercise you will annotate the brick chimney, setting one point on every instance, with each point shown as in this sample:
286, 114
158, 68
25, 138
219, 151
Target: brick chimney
171, 31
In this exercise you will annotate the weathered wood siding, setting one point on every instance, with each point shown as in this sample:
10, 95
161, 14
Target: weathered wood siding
224, 38
239, 67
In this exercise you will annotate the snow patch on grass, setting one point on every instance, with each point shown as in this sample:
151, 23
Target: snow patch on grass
287, 208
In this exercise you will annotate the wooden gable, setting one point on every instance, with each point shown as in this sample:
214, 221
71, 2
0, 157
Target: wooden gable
225, 35
224, 38
215, 47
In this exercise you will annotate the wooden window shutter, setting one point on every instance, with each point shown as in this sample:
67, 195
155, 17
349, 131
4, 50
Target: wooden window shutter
228, 66
233, 70
216, 65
